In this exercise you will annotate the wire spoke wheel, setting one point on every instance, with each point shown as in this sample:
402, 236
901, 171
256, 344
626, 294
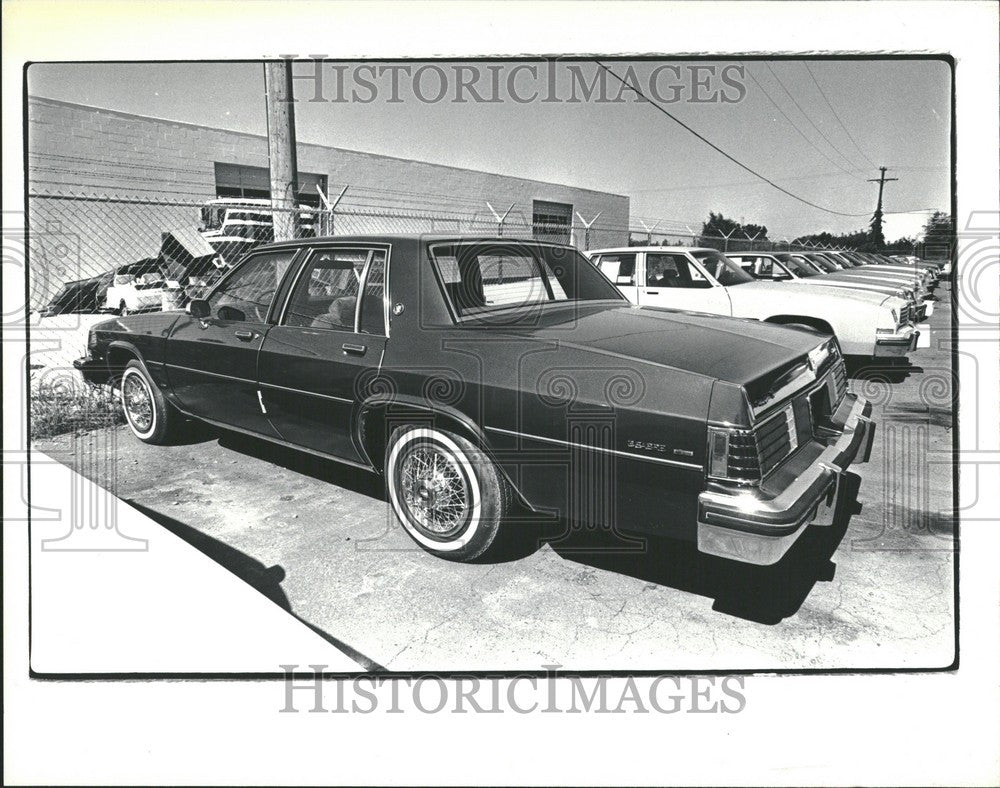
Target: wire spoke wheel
434, 490
137, 400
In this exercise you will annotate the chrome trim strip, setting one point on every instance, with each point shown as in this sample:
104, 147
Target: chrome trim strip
362, 283
616, 452
307, 393
212, 374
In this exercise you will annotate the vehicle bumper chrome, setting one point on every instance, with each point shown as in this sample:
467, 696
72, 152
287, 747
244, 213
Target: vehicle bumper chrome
901, 343
93, 370
752, 527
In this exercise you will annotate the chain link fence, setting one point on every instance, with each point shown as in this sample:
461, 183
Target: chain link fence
93, 253
99, 252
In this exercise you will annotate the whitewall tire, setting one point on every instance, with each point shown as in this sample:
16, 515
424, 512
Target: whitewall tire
448, 495
147, 413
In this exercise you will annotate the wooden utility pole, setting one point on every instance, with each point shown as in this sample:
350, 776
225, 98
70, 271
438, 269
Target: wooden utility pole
281, 148
877, 235
881, 181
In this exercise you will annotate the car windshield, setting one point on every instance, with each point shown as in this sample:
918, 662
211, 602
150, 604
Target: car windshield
725, 271
823, 263
844, 261
481, 277
797, 265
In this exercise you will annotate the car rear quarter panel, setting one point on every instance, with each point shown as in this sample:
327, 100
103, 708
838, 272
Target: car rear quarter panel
535, 402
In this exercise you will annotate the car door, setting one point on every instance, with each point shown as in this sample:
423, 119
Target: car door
212, 362
326, 340
673, 280
620, 269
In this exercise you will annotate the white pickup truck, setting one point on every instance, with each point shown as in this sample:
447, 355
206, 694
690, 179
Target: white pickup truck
692, 279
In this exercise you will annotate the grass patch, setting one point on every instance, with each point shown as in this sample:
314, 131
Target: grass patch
63, 404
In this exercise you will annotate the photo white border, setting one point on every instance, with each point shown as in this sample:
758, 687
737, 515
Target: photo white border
858, 729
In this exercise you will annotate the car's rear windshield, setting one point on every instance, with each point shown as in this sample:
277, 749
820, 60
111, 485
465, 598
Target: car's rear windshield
482, 277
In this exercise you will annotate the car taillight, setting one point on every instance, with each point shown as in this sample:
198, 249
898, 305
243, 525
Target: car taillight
733, 455
718, 452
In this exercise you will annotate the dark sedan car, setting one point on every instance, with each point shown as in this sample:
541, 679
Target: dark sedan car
493, 380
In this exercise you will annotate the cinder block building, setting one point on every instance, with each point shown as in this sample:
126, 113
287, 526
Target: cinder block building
104, 185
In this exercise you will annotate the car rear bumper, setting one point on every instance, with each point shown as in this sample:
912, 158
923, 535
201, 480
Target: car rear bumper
758, 527
903, 342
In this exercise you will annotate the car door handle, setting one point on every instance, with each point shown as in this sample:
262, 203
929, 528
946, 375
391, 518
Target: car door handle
354, 350
652, 292
244, 335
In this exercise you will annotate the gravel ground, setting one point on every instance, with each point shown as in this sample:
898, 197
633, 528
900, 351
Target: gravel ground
875, 590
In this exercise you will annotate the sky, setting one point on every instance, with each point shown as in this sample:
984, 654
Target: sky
817, 128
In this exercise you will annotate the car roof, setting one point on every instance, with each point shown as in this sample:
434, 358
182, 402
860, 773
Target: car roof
410, 237
624, 249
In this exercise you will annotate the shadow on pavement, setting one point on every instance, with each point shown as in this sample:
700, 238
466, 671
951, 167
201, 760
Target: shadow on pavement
266, 580
355, 479
883, 370
766, 595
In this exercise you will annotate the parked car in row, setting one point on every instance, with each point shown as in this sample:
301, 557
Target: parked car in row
136, 287
481, 376
837, 272
791, 266
705, 280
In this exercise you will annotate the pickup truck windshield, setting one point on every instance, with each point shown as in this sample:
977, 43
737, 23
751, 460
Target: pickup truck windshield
482, 277
725, 271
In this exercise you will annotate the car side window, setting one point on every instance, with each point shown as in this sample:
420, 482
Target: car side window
619, 268
246, 294
326, 293
673, 270
765, 267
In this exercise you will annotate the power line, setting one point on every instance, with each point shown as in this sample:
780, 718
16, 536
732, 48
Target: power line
835, 115
806, 116
716, 148
795, 126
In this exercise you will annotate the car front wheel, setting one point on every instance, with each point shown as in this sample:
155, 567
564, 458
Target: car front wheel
448, 495
150, 417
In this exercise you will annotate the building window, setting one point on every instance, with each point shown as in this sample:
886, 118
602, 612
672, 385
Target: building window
254, 183
552, 221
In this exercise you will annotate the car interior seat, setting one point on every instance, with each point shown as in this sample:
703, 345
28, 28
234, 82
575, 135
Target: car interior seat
340, 314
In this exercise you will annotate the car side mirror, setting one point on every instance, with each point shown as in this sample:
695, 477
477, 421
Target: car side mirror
198, 307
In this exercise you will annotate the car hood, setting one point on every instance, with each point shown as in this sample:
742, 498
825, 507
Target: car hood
808, 291
873, 273
722, 348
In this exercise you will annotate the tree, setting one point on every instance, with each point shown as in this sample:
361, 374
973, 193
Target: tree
938, 235
719, 226
875, 235
939, 228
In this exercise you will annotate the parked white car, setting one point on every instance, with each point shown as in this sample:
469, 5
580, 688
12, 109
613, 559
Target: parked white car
136, 287
789, 266
705, 280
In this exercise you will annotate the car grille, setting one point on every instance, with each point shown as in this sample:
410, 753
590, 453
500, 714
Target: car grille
904, 315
